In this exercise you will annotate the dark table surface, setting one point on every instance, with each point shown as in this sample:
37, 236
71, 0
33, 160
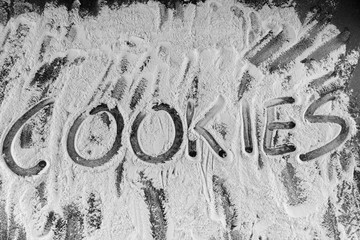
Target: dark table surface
347, 15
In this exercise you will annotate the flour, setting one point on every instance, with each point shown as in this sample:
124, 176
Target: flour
212, 67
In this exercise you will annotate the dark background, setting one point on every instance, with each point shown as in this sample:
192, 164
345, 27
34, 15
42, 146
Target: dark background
347, 15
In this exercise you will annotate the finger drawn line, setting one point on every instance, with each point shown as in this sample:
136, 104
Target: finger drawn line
336, 142
318, 82
268, 135
220, 103
259, 45
271, 47
258, 140
296, 50
328, 47
280, 150
280, 125
189, 116
190, 112
279, 101
9, 138
247, 128
70, 143
211, 141
271, 125
200, 127
175, 147
192, 148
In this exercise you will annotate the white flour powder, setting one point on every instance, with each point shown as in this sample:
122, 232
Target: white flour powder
210, 58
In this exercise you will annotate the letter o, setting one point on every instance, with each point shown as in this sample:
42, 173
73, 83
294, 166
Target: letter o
175, 147
70, 143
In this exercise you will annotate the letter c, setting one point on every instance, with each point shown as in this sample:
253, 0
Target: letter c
9, 138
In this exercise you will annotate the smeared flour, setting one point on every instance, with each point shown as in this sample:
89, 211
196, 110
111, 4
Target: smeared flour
137, 56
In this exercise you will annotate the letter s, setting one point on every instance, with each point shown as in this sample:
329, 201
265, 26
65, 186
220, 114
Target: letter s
336, 142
